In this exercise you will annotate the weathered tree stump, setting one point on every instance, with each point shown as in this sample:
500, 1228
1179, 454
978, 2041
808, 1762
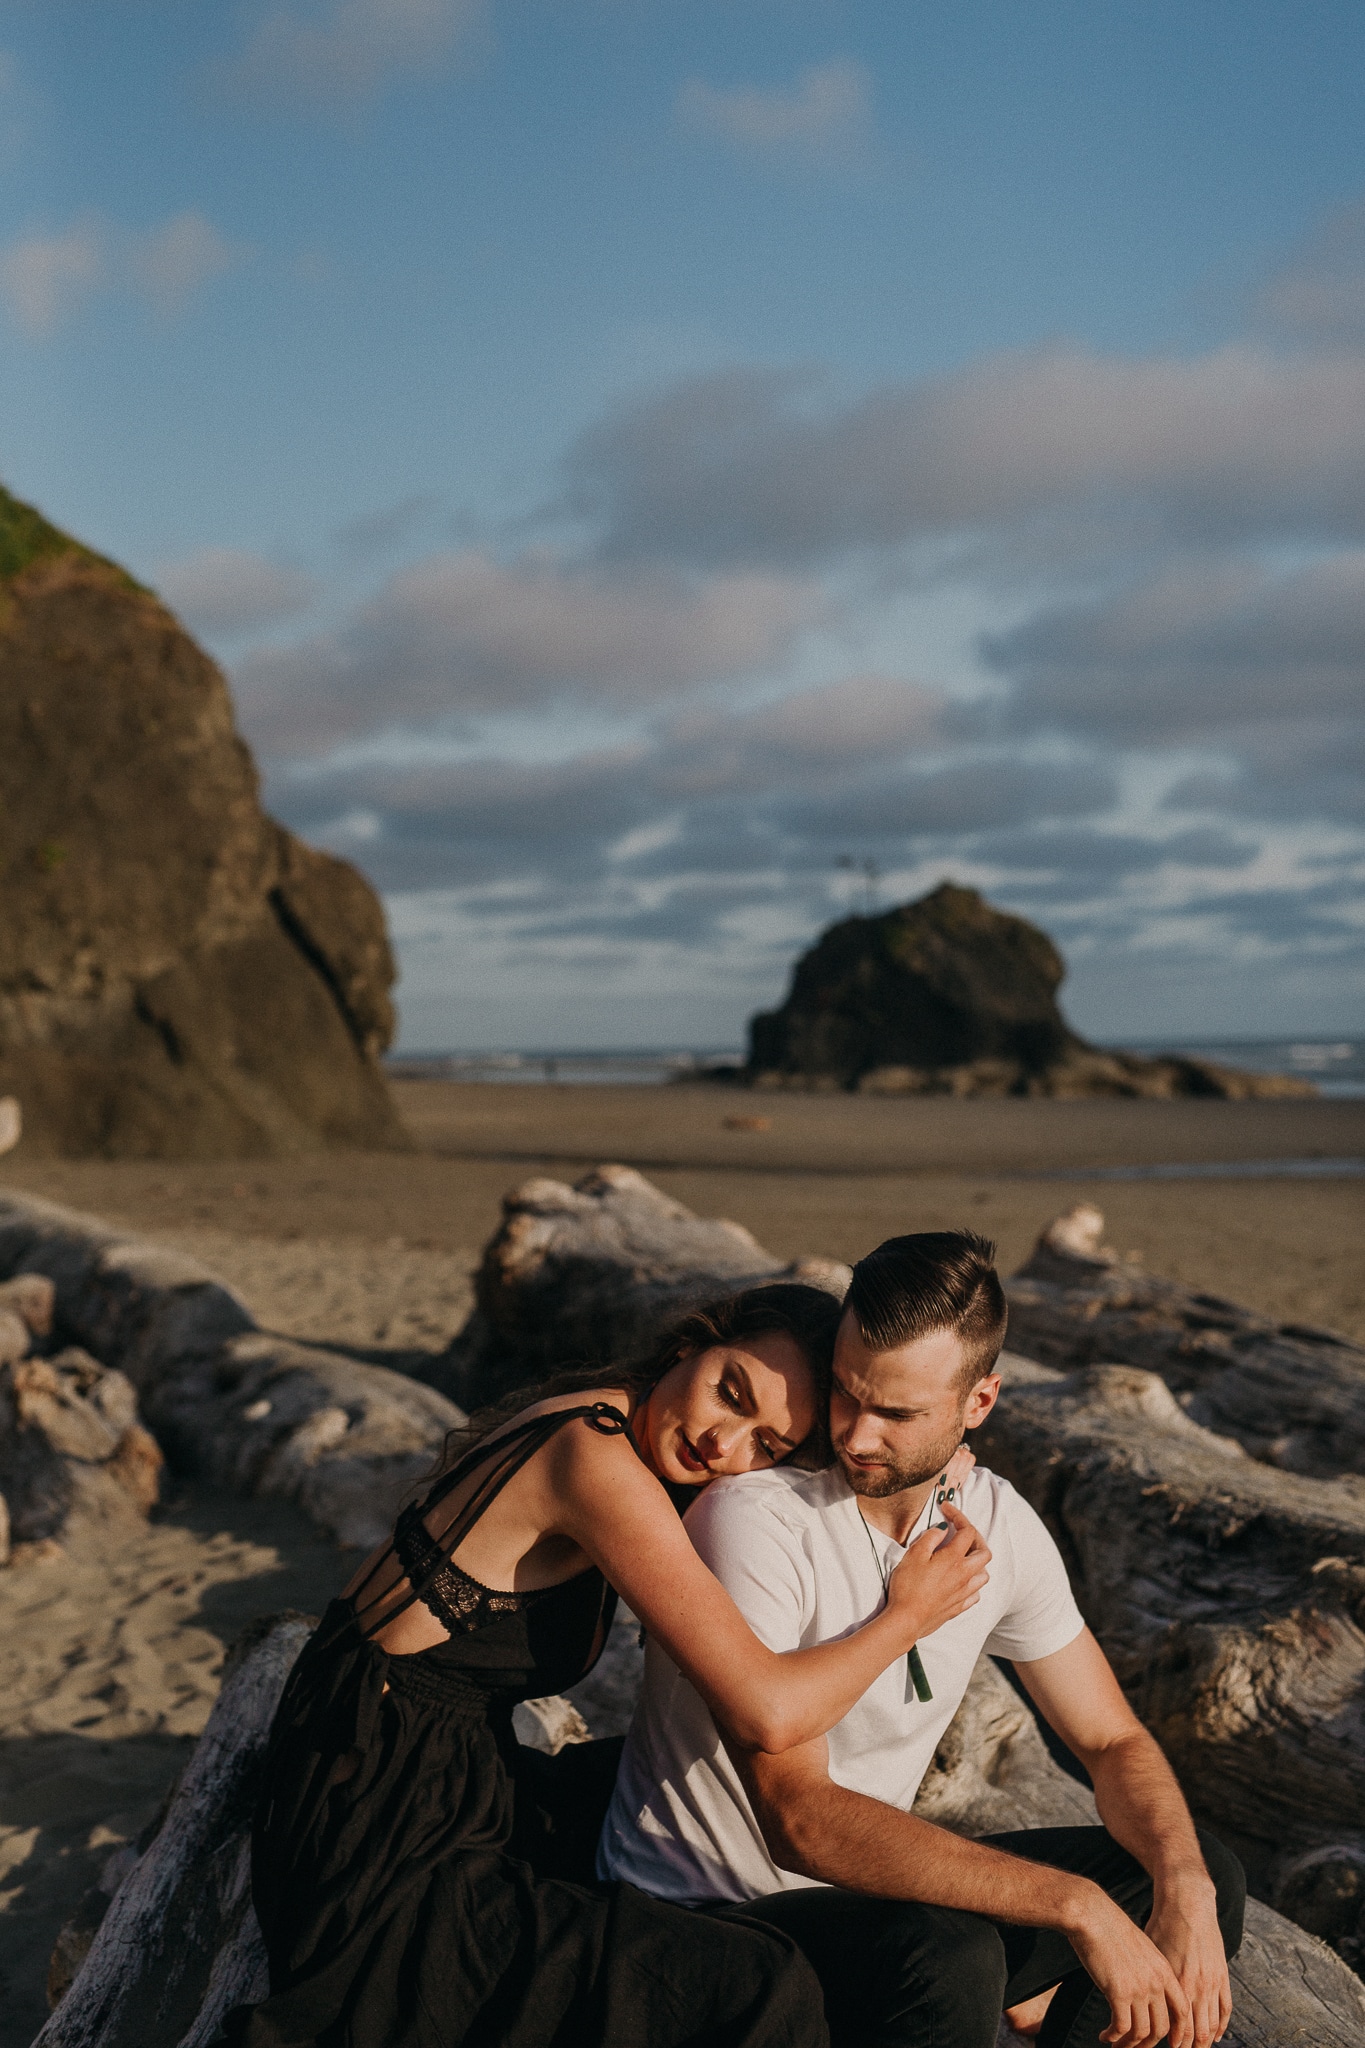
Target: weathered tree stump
250, 1411
71, 1444
70, 1439
1292, 1396
26, 1303
588, 1274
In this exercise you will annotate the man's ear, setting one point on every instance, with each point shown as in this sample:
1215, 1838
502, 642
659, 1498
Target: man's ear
981, 1400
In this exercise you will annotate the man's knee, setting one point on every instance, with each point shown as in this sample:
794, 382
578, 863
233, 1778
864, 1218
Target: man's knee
953, 1963
1229, 1881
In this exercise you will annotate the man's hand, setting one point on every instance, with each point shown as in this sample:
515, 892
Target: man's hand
1147, 2002
1184, 1926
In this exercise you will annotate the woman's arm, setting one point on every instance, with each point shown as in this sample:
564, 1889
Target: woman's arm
764, 1699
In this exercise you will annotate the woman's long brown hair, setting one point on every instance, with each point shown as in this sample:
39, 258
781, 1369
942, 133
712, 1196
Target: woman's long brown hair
808, 1315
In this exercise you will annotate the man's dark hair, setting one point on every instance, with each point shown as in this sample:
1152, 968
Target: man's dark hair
933, 1280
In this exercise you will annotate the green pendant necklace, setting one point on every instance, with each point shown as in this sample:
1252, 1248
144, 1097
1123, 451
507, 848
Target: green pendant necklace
917, 1686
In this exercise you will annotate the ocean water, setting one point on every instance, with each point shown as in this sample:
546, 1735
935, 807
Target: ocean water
1336, 1065
628, 1068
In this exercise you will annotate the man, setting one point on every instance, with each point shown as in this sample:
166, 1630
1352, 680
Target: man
918, 1936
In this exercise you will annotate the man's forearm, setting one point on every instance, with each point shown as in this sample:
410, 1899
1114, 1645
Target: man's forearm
843, 1838
1143, 1807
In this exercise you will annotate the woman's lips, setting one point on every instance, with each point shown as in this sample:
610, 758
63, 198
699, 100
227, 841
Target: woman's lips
688, 1458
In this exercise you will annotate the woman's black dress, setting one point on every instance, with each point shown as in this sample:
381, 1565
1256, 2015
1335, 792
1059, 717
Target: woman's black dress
396, 1858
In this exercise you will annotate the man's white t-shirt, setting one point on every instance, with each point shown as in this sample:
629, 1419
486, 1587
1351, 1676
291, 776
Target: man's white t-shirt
803, 1567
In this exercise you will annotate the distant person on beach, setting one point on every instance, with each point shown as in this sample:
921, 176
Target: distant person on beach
407, 1851
919, 1937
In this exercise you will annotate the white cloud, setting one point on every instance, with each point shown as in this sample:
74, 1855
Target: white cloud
654, 837
467, 634
801, 739
46, 279
763, 465
859, 715
826, 113
346, 51
540, 618
1202, 648
230, 590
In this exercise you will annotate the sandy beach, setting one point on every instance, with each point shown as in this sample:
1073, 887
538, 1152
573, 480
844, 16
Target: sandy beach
110, 1661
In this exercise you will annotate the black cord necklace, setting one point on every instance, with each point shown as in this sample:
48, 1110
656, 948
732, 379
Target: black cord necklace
917, 1686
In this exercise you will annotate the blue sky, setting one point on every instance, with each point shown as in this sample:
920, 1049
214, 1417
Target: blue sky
631, 456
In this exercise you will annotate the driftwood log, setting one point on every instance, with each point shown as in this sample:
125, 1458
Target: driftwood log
590, 1273
247, 1410
1291, 1395
1229, 1596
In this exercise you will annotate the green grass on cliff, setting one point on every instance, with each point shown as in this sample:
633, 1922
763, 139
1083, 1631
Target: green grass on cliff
25, 536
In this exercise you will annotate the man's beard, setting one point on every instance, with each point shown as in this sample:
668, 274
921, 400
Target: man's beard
888, 1478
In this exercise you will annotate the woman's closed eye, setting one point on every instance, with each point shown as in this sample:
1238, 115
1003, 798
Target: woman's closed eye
733, 1398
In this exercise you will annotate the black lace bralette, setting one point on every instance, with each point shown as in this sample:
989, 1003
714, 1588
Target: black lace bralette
460, 1603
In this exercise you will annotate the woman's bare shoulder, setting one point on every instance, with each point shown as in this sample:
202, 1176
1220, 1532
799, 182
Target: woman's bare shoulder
554, 1404
571, 1443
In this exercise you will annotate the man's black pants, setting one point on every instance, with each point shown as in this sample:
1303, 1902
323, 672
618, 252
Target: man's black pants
901, 1975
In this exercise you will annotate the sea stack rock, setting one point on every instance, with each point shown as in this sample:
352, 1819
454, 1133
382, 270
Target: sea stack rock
179, 976
950, 996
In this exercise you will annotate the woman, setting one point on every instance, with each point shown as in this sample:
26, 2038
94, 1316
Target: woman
394, 1867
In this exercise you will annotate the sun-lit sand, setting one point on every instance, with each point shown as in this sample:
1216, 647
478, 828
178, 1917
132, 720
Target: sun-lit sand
110, 1662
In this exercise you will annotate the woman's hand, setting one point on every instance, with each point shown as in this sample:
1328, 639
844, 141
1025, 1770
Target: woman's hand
941, 1575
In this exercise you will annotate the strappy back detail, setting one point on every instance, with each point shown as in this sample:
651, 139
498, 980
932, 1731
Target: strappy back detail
461, 1603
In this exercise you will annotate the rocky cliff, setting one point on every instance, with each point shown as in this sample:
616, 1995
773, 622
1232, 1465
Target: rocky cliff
950, 996
179, 976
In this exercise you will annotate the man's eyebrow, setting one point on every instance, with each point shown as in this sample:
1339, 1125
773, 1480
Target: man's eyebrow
891, 1414
746, 1384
